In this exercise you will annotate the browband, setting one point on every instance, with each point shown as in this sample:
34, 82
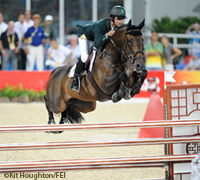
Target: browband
134, 33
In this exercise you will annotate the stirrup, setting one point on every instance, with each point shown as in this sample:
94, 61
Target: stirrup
76, 87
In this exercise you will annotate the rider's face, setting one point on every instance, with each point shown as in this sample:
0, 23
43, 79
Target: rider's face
119, 21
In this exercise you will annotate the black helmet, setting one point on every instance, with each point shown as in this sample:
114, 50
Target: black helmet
118, 11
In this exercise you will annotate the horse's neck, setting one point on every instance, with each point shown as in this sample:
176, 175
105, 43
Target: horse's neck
117, 40
104, 71
111, 52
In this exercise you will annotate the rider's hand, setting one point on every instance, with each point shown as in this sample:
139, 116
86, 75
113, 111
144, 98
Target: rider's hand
110, 33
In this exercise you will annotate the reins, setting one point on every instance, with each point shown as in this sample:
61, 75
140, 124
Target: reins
131, 57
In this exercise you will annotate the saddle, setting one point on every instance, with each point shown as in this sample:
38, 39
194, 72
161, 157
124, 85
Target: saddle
92, 56
88, 65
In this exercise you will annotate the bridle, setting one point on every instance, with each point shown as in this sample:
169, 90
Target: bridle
132, 56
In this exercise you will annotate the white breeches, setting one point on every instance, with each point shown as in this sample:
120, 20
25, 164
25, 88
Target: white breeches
84, 49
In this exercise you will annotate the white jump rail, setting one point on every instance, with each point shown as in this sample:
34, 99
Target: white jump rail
88, 164
94, 144
144, 124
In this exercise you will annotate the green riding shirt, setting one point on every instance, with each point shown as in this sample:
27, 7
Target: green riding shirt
95, 31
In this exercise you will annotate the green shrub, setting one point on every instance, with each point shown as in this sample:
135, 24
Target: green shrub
179, 25
13, 91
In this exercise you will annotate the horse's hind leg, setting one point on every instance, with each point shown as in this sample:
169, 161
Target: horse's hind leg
51, 118
63, 119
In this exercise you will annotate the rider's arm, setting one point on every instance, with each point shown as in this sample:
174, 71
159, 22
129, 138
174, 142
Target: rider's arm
99, 38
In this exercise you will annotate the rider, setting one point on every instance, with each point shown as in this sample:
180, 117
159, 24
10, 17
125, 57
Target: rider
98, 32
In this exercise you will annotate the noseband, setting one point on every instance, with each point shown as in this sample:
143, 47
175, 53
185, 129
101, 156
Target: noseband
132, 56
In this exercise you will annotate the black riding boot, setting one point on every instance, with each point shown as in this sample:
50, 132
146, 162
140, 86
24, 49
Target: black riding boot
78, 71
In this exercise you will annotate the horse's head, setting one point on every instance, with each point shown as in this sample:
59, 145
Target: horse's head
125, 52
134, 46
133, 61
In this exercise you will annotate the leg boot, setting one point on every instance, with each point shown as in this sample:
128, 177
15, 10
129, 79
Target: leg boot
78, 71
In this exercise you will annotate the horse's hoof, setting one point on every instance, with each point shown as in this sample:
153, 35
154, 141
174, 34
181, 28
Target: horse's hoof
128, 94
56, 132
63, 121
115, 98
120, 93
52, 122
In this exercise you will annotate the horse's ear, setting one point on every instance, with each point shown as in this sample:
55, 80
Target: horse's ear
129, 24
141, 25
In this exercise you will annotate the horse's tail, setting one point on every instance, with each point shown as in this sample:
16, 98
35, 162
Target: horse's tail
73, 116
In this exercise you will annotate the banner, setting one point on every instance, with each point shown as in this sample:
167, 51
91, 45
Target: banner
155, 81
153, 84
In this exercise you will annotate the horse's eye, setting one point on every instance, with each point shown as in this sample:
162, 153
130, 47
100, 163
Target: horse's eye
130, 41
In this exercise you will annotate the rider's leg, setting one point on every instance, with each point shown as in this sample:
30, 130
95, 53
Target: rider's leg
80, 64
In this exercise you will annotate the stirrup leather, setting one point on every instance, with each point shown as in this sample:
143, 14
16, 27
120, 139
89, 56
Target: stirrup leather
75, 86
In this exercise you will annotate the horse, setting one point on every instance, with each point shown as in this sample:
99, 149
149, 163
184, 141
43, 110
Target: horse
118, 72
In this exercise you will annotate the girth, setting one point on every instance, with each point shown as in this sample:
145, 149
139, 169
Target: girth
101, 96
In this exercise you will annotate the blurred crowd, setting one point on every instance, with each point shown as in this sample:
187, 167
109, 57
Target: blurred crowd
160, 55
29, 44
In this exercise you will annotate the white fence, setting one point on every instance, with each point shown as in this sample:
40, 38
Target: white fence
175, 39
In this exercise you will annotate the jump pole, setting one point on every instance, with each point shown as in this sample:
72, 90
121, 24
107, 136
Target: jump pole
144, 124
94, 144
87, 164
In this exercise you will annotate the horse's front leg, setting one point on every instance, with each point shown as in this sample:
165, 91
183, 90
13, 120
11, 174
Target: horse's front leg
129, 93
117, 96
139, 83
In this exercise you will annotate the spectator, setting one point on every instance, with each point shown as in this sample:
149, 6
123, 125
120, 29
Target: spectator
20, 30
194, 41
57, 54
74, 48
35, 49
194, 63
3, 25
48, 31
9, 45
3, 28
28, 21
170, 52
153, 53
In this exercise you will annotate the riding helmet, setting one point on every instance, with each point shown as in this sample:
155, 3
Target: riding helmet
118, 11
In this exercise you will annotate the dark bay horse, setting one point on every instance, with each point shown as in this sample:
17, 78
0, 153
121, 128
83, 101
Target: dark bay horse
118, 72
